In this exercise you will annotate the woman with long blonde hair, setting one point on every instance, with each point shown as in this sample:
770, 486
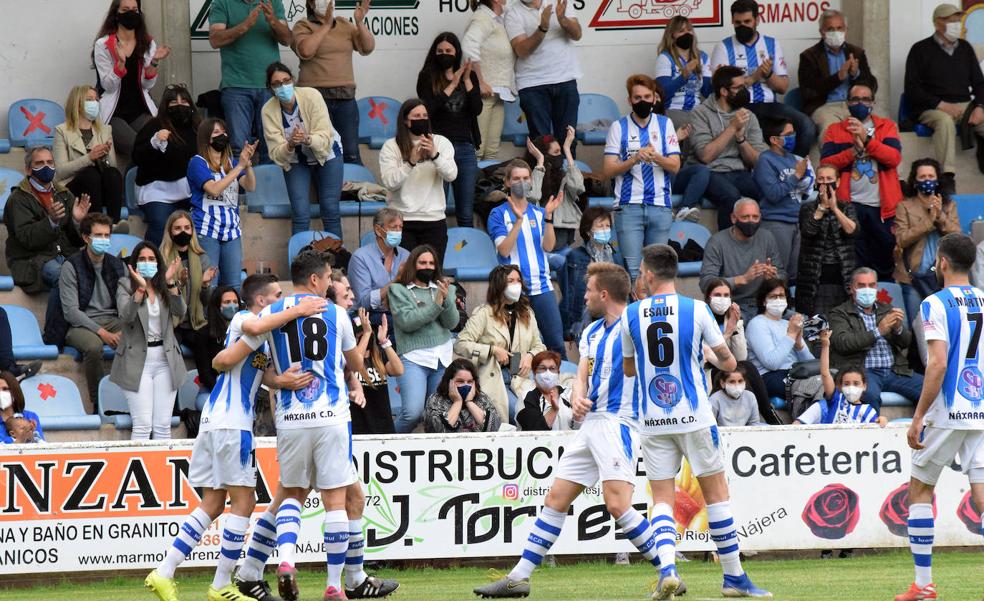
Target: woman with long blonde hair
682, 69
194, 279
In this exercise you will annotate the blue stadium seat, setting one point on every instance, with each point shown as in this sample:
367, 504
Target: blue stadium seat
514, 128
793, 99
187, 352
595, 107
367, 238
4, 145
113, 408
901, 420
923, 131
602, 201
892, 292
347, 208
302, 239
8, 179
32, 121
26, 335
891, 399
188, 393
58, 403
358, 173
487, 163
681, 231
121, 245
470, 254
377, 120
71, 351
581, 165
970, 208
271, 189
130, 192
396, 402
6, 283
778, 403
567, 367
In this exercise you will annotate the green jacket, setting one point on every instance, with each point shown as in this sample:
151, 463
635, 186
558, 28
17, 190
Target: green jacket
418, 321
31, 240
850, 341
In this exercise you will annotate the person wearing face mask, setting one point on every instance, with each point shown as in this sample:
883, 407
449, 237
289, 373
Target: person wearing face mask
842, 401
126, 59
223, 304
944, 86
597, 246
548, 406
458, 404
871, 335
12, 407
195, 278
733, 404
554, 169
828, 69
775, 343
682, 69
374, 267
84, 155
413, 167
486, 44
161, 153
866, 149
501, 338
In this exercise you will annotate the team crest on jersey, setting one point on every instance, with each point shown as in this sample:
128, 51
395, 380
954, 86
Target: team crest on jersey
971, 384
259, 361
313, 391
591, 364
666, 391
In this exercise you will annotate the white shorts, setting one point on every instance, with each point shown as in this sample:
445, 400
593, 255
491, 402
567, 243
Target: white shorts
604, 448
318, 458
223, 458
664, 453
942, 446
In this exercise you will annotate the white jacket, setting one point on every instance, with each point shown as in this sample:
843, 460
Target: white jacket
417, 192
485, 41
104, 54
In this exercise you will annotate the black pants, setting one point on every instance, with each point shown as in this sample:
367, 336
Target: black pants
434, 233
6, 346
874, 244
725, 188
104, 187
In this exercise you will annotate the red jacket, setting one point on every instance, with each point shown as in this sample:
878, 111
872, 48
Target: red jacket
884, 148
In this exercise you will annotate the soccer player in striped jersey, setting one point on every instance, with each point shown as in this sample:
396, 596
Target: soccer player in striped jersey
949, 418
603, 448
663, 337
223, 460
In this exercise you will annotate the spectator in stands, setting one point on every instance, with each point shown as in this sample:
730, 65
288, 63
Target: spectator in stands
867, 151
126, 60
7, 362
214, 177
547, 67
375, 266
222, 306
161, 153
774, 343
642, 153
301, 141
451, 92
596, 247
548, 406
733, 404
12, 407
761, 60
340, 291
151, 370
844, 401
944, 86
87, 291
84, 155
523, 235
194, 278
682, 70
247, 41
382, 362
690, 182
423, 307
458, 404
325, 44
926, 215
873, 336
500, 338
786, 180
551, 175
42, 219
828, 227
828, 69
743, 254
727, 139
413, 167
486, 45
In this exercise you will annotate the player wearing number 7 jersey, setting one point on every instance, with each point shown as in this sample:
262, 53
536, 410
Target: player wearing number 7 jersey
949, 418
662, 343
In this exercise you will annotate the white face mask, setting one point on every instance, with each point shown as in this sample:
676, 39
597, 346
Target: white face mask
852, 393
548, 379
720, 304
5, 399
776, 307
953, 31
734, 390
513, 292
834, 39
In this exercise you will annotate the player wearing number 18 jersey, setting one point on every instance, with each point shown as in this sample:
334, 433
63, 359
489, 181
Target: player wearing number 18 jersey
949, 419
662, 342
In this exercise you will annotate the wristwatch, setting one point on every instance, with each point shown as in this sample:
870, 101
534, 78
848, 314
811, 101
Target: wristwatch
542, 29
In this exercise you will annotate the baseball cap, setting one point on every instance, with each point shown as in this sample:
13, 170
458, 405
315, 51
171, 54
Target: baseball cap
944, 11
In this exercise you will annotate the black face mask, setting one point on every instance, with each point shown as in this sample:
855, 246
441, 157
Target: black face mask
420, 127
131, 19
832, 186
744, 34
642, 109
219, 142
180, 114
740, 99
555, 162
181, 238
685, 41
444, 61
425, 275
747, 228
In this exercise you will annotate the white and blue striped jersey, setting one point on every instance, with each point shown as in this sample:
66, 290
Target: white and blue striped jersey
665, 335
837, 410
954, 315
213, 217
688, 95
644, 183
730, 51
609, 391
315, 343
232, 402
528, 251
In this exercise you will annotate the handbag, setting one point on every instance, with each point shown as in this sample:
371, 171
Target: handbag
802, 370
925, 284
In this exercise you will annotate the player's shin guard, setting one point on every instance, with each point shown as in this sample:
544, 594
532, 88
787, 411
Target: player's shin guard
354, 575
921, 541
664, 527
288, 526
261, 544
188, 537
721, 524
544, 534
336, 543
640, 533
233, 537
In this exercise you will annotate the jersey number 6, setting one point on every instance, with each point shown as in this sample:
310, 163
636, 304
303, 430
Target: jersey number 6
660, 345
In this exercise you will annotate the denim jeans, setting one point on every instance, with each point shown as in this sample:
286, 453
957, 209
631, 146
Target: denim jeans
885, 380
243, 108
416, 384
156, 215
345, 119
51, 271
550, 108
725, 188
547, 313
912, 300
875, 245
328, 183
691, 182
641, 225
806, 129
464, 185
227, 256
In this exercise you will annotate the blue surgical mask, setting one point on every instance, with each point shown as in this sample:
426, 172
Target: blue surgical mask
99, 246
229, 311
91, 110
788, 142
464, 391
393, 239
285, 92
602, 236
147, 269
866, 296
859, 111
928, 187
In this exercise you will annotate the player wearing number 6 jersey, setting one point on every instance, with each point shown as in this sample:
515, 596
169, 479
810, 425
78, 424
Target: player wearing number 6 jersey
949, 418
663, 337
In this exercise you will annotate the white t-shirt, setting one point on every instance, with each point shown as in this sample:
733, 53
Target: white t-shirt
554, 60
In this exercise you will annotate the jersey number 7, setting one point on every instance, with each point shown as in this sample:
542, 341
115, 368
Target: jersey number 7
975, 320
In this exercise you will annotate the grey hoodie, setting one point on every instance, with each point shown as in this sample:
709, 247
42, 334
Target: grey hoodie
709, 121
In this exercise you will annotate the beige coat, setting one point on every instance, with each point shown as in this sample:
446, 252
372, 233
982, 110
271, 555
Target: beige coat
71, 154
317, 123
475, 343
912, 225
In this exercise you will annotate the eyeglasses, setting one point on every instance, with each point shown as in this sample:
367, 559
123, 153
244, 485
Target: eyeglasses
276, 85
862, 100
542, 370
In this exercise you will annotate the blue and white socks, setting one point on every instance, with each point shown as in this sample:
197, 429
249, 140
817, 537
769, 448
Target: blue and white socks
288, 527
336, 544
233, 537
664, 527
721, 523
921, 528
544, 534
354, 574
188, 537
261, 544
640, 533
